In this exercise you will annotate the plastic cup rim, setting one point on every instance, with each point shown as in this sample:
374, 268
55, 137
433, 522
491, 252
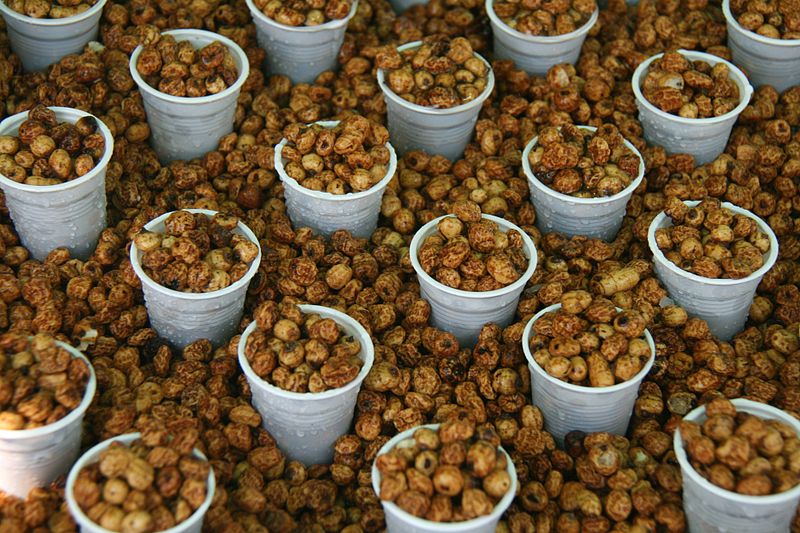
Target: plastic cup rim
323, 195
368, 350
731, 20
49, 22
330, 25
243, 281
499, 508
476, 102
180, 35
540, 39
533, 259
744, 99
627, 191
17, 119
746, 406
127, 438
635, 380
72, 416
658, 255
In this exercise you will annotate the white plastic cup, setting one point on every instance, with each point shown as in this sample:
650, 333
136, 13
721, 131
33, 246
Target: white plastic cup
710, 508
399, 521
703, 138
723, 303
306, 425
184, 317
41, 42
464, 313
535, 54
35, 457
71, 214
767, 61
193, 524
183, 127
436, 131
596, 218
300, 52
357, 212
567, 407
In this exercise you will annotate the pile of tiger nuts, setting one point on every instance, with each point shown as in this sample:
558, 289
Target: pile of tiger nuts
40, 382
304, 12
349, 157
690, 89
177, 68
147, 485
776, 19
742, 452
545, 18
48, 152
301, 352
196, 253
584, 164
440, 73
712, 241
44, 9
471, 253
449, 474
589, 342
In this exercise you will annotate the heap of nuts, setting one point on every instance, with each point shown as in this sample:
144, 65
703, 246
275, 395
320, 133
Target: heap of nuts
304, 12
471, 253
690, 89
440, 73
712, 241
48, 152
547, 18
177, 68
143, 487
42, 9
349, 157
301, 352
776, 19
742, 452
449, 474
196, 253
40, 381
587, 341
582, 163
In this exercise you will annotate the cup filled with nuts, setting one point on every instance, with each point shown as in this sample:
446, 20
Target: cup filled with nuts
53, 163
46, 386
764, 38
472, 269
581, 179
334, 174
41, 32
688, 102
302, 38
434, 90
190, 81
537, 35
740, 463
195, 266
137, 484
711, 257
451, 476
305, 365
587, 358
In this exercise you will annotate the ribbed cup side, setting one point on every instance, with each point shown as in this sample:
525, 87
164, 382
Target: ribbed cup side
596, 221
765, 64
535, 59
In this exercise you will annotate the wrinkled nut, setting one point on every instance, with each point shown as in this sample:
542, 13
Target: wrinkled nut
196, 253
47, 9
549, 18
347, 158
741, 452
440, 73
773, 19
581, 163
304, 12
